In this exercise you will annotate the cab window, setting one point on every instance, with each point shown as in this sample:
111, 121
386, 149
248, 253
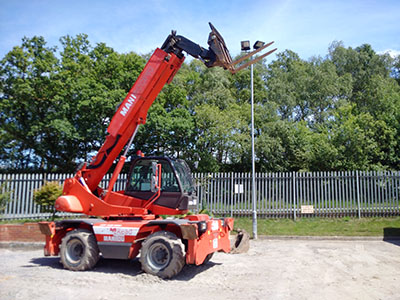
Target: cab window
140, 180
184, 176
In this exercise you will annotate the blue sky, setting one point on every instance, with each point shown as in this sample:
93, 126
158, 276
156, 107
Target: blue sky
307, 27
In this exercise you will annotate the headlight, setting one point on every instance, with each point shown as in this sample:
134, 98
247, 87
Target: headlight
202, 227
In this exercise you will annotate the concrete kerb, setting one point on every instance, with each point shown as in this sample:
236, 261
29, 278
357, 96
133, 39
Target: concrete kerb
22, 245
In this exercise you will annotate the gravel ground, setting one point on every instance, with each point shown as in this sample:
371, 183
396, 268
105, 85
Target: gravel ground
272, 269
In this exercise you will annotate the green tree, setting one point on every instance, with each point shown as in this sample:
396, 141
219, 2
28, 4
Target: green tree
396, 69
363, 65
47, 195
375, 94
222, 135
333, 113
27, 90
5, 195
54, 111
305, 91
169, 126
356, 138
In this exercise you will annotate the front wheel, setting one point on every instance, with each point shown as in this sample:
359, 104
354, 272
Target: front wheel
162, 254
79, 250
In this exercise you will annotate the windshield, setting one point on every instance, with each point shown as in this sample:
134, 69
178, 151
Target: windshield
184, 175
140, 180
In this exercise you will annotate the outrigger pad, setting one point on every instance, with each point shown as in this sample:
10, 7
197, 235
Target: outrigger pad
241, 244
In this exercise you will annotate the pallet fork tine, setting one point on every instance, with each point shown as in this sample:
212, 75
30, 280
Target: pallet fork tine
253, 61
250, 54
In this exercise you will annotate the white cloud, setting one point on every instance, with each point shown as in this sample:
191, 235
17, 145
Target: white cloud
391, 52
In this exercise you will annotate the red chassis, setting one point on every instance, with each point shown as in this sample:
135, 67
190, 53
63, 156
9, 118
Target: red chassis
122, 239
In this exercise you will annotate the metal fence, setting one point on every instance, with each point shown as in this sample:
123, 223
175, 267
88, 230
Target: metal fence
278, 195
304, 194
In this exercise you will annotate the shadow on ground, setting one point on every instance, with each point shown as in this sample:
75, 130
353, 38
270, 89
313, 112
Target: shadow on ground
392, 235
109, 266
52, 262
190, 271
120, 266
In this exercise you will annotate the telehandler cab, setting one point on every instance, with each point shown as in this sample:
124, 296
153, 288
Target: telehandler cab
128, 223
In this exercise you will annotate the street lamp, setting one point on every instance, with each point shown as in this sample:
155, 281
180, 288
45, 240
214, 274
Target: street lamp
245, 45
258, 44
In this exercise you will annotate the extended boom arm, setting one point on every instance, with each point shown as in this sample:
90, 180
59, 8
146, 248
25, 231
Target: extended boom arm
160, 70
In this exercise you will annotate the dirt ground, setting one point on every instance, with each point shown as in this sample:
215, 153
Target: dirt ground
272, 269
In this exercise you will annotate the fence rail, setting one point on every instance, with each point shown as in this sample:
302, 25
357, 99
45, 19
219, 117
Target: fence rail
278, 195
294, 194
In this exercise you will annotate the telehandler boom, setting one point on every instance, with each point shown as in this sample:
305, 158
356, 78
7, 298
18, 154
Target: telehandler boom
128, 222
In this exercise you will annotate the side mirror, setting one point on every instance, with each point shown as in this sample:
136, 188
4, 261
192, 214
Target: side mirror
155, 177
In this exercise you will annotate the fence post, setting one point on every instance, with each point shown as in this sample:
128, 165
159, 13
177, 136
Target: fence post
358, 194
232, 194
294, 195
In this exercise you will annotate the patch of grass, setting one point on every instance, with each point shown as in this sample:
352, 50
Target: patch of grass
320, 226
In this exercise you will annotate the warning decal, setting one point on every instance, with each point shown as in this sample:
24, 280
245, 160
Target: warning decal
131, 231
115, 233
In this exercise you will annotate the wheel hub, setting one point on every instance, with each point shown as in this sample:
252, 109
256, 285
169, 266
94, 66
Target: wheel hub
75, 250
159, 256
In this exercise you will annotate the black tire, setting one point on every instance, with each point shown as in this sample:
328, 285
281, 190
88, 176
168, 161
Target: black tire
79, 250
162, 254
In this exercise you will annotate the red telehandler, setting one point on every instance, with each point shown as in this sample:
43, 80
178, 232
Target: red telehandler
124, 224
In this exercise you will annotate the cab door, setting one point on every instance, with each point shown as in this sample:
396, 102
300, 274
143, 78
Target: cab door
139, 182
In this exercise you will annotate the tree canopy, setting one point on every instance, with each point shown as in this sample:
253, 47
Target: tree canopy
340, 112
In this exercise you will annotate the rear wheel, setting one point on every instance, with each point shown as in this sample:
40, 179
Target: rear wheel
79, 250
162, 254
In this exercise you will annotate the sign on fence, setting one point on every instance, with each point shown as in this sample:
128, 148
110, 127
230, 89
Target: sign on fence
238, 188
307, 209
